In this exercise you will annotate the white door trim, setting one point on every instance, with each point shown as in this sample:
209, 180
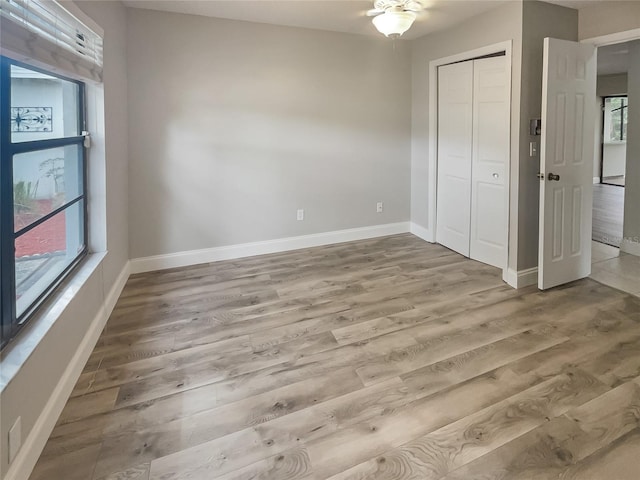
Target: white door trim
433, 133
613, 38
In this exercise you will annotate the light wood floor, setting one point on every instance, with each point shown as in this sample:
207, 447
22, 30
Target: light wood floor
608, 213
380, 359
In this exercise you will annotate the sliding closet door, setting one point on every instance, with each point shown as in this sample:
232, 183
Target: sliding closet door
491, 110
455, 129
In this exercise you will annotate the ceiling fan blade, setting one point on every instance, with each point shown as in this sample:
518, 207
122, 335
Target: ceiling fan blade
413, 6
373, 12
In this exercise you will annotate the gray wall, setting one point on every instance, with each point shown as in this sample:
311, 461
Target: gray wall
30, 389
615, 155
112, 16
604, 18
611, 85
540, 20
235, 125
498, 25
631, 229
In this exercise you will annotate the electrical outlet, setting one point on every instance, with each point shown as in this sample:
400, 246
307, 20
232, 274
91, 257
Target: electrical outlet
379, 206
300, 214
15, 439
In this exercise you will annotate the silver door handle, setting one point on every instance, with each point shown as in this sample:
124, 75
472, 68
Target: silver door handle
495, 175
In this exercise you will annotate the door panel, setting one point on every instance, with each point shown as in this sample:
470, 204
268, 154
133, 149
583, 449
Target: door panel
568, 128
488, 198
491, 115
453, 208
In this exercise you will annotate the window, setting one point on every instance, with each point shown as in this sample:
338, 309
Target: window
42, 187
616, 112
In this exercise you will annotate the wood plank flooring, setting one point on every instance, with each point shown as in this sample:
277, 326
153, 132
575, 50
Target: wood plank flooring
388, 358
608, 214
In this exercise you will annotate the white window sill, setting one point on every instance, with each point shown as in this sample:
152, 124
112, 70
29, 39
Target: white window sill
18, 351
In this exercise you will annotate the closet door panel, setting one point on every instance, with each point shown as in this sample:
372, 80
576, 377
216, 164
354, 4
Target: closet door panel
490, 157
455, 130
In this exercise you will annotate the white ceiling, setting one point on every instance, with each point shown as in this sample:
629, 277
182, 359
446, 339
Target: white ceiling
613, 59
577, 4
333, 15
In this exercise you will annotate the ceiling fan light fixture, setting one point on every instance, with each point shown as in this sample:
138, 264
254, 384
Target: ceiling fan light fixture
393, 23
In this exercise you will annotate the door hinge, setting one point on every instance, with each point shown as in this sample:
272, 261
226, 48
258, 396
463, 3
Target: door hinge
87, 139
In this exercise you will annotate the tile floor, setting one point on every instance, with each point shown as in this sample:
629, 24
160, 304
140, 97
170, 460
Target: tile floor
614, 268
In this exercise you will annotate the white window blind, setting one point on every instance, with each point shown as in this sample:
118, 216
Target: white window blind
45, 31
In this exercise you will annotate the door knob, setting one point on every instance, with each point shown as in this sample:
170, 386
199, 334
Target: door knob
553, 177
495, 175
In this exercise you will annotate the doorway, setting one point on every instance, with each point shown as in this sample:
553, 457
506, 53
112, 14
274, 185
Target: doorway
611, 156
610, 265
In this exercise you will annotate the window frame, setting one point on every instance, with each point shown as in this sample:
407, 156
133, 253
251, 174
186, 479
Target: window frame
10, 323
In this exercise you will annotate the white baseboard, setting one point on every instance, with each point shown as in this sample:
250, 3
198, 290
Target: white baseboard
421, 232
596, 180
628, 246
207, 255
114, 294
32, 447
522, 278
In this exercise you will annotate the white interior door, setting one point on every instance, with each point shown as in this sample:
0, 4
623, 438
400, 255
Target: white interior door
566, 162
455, 119
491, 112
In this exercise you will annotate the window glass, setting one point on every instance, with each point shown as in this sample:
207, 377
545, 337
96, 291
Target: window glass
44, 252
616, 113
43, 181
42, 106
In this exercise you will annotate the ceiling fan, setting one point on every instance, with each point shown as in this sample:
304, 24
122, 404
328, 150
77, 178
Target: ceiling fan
394, 17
